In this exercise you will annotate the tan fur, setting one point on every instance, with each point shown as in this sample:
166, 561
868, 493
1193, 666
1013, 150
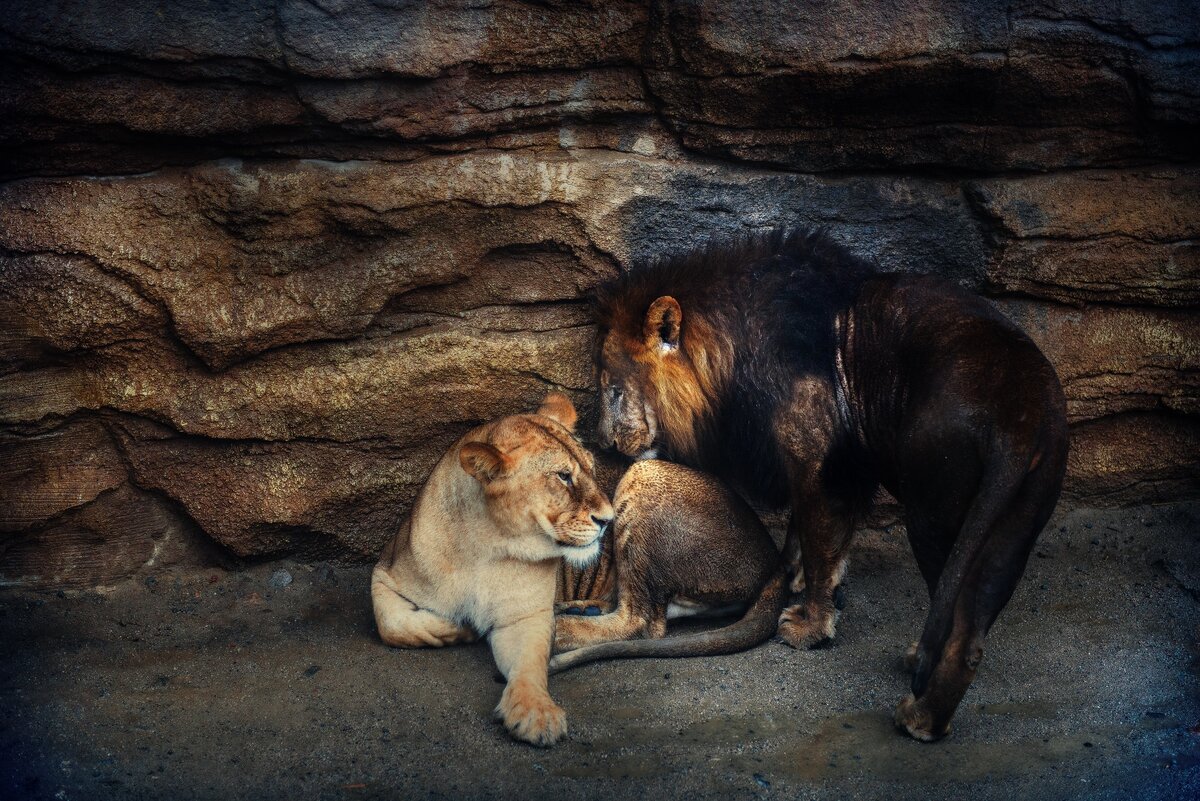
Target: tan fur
481, 551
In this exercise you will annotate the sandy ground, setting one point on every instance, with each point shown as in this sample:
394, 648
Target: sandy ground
213, 684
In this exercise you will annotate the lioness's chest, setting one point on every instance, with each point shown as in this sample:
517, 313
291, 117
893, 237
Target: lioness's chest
506, 591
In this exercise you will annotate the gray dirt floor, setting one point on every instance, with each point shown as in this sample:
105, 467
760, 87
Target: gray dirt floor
215, 684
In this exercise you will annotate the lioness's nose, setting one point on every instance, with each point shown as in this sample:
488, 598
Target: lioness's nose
602, 522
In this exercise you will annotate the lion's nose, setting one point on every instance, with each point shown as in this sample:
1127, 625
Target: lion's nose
602, 522
605, 435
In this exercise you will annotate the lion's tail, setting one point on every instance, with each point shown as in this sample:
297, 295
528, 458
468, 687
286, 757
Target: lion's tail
756, 626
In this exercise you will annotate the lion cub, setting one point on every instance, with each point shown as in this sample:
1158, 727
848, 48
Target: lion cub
481, 553
683, 543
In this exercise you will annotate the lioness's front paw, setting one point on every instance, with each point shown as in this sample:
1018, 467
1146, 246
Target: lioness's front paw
799, 631
917, 722
531, 715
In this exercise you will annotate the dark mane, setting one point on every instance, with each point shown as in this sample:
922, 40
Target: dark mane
774, 296
691, 277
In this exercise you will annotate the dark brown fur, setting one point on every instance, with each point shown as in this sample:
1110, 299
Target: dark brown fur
678, 536
793, 368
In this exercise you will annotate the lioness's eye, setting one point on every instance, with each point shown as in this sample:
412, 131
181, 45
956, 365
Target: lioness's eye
565, 475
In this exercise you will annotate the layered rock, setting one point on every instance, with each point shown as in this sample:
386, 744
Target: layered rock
1135, 458
260, 264
1113, 360
73, 517
239, 259
88, 85
1110, 236
969, 85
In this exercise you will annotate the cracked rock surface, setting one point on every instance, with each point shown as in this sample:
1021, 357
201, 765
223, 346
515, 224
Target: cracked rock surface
262, 262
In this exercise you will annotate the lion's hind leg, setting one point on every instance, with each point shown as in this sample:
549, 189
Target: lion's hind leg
403, 624
590, 607
626, 623
968, 596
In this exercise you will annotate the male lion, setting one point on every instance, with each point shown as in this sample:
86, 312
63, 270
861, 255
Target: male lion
795, 369
481, 551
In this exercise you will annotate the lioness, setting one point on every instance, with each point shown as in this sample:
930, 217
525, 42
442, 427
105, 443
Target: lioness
683, 543
481, 551
794, 368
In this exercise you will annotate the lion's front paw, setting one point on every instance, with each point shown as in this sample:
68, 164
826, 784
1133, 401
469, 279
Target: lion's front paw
915, 720
800, 631
531, 715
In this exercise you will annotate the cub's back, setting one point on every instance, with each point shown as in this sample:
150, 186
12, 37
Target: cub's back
689, 524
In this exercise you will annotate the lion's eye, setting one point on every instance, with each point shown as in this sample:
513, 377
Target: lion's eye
565, 477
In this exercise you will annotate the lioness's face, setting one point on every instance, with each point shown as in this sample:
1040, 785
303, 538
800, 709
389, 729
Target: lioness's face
540, 486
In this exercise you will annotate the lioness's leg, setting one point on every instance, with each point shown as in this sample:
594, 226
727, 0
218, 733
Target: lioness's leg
403, 624
522, 652
823, 530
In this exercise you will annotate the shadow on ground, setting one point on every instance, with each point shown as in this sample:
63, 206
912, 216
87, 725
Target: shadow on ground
235, 685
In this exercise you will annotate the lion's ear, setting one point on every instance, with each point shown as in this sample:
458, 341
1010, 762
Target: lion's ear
661, 328
483, 461
558, 407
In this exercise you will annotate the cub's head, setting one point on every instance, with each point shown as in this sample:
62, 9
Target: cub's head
539, 485
658, 378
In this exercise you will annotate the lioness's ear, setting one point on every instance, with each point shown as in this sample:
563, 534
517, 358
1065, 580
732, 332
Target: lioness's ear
558, 407
483, 461
661, 328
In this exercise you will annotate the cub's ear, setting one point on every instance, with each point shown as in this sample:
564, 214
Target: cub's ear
558, 407
661, 328
483, 461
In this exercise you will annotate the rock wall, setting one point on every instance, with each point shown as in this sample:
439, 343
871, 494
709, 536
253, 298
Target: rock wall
260, 263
